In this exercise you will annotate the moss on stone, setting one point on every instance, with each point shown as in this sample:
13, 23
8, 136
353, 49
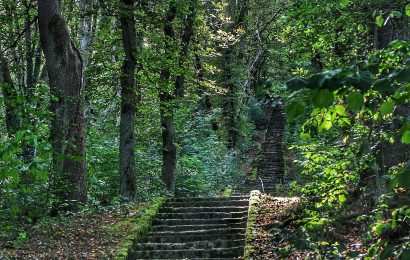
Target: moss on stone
254, 204
227, 192
136, 227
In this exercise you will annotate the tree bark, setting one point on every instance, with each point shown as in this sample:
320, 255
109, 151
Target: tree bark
128, 99
230, 103
393, 29
166, 112
169, 151
185, 42
28, 118
10, 94
65, 72
86, 28
238, 11
392, 154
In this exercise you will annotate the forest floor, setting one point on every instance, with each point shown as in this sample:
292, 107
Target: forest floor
92, 235
277, 236
97, 235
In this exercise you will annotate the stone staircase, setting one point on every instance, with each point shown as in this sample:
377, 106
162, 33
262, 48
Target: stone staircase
196, 228
267, 152
272, 165
265, 185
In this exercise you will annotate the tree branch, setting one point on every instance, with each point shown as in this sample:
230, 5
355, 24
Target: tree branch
14, 44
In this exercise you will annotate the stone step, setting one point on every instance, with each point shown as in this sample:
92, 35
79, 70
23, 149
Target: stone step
207, 203
270, 170
191, 238
264, 192
202, 209
196, 245
174, 222
189, 253
197, 227
270, 162
273, 156
258, 181
216, 232
194, 199
228, 258
202, 215
274, 136
259, 187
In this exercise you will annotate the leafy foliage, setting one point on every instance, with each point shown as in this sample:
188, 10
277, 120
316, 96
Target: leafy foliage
351, 110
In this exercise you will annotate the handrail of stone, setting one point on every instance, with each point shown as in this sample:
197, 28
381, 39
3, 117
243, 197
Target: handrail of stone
254, 203
139, 229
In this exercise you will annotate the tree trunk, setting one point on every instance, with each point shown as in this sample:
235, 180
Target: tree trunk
185, 42
169, 152
10, 94
393, 29
204, 102
392, 154
85, 24
166, 112
237, 10
28, 118
65, 72
230, 103
128, 100
86, 20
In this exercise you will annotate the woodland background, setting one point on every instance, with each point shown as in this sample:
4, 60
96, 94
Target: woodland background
170, 96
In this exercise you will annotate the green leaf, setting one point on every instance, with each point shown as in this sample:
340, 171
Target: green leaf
295, 109
322, 98
387, 252
296, 83
340, 110
403, 130
396, 14
361, 80
397, 44
355, 101
269, 83
403, 76
261, 91
405, 138
379, 20
304, 136
408, 9
402, 178
325, 125
381, 227
342, 198
383, 85
344, 3
387, 107
326, 79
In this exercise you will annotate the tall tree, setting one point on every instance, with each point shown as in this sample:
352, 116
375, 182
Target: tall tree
29, 87
65, 71
85, 24
169, 151
232, 54
10, 94
128, 100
